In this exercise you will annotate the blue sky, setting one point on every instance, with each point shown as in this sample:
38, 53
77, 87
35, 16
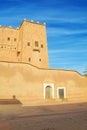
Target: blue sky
66, 27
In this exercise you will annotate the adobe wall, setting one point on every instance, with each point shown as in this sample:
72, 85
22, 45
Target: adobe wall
26, 82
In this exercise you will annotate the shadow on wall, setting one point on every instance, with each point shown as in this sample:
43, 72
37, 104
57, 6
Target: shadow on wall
10, 101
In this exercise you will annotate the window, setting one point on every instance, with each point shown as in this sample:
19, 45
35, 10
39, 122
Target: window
36, 50
36, 44
18, 53
1, 46
28, 43
41, 45
8, 38
29, 59
15, 39
61, 92
39, 59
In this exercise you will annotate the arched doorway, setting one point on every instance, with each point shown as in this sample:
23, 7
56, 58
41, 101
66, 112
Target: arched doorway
48, 92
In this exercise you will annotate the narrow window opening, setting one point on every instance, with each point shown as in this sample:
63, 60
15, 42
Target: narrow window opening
40, 59
18, 53
1, 46
41, 45
28, 43
15, 39
36, 44
8, 38
29, 59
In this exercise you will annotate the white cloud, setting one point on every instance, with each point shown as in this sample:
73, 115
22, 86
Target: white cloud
67, 51
58, 31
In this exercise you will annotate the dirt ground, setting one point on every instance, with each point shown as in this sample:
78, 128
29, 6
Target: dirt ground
53, 117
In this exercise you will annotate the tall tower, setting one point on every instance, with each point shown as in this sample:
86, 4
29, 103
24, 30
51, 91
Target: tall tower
34, 44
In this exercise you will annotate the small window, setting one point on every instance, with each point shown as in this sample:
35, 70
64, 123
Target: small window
39, 59
28, 43
29, 59
1, 46
41, 45
61, 93
36, 44
18, 53
15, 39
8, 38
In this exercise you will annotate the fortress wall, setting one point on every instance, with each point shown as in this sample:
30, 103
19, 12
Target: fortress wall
26, 82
